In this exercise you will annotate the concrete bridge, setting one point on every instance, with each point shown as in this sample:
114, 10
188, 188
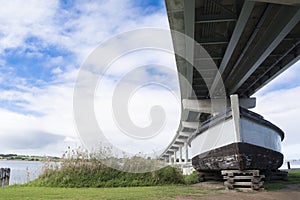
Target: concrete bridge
250, 43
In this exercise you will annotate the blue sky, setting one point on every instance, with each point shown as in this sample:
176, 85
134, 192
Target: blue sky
44, 43
42, 46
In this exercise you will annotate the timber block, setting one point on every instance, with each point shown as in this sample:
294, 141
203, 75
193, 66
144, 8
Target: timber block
243, 179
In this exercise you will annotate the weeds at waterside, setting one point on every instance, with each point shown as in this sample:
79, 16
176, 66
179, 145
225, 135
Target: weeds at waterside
80, 169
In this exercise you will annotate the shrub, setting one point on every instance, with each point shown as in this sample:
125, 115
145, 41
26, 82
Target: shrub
192, 178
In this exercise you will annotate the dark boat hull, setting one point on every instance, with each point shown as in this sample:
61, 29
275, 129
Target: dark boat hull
238, 156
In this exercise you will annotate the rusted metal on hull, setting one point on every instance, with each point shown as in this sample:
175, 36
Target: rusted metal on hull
238, 156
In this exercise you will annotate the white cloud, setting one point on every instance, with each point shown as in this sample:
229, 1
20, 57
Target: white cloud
56, 70
288, 79
78, 29
99, 22
41, 27
51, 121
282, 107
20, 19
139, 105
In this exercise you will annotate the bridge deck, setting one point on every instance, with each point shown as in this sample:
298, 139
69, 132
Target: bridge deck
250, 42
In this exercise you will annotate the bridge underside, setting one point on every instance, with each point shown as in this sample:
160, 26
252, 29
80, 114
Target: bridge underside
250, 43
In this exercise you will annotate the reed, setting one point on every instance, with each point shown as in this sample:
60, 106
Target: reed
79, 168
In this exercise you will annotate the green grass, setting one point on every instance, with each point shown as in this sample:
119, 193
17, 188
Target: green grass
293, 178
77, 176
153, 192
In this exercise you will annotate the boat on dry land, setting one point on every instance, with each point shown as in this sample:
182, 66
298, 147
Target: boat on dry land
237, 140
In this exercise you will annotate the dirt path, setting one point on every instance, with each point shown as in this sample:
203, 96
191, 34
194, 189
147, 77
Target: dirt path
232, 195
292, 192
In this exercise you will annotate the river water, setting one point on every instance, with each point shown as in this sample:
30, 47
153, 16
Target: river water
293, 164
22, 171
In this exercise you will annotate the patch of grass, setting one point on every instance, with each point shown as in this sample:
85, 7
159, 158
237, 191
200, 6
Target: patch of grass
293, 178
156, 192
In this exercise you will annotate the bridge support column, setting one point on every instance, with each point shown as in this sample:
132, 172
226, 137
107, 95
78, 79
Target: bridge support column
180, 154
175, 157
166, 159
170, 159
186, 153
